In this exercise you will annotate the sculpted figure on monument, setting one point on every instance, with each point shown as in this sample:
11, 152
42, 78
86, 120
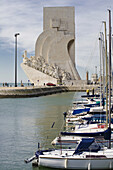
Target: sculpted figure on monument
55, 73
25, 57
25, 54
26, 60
51, 70
33, 62
46, 68
68, 76
42, 59
39, 64
63, 75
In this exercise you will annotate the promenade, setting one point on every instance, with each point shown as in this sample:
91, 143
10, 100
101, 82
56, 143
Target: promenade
35, 91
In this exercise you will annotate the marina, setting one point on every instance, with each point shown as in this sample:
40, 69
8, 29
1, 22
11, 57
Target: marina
22, 127
92, 156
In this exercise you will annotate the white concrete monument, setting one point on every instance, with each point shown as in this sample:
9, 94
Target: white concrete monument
54, 49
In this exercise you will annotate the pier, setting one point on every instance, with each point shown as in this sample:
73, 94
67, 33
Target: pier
35, 91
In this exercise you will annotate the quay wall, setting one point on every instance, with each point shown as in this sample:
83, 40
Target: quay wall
17, 92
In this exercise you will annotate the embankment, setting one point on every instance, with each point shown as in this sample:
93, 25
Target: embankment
18, 92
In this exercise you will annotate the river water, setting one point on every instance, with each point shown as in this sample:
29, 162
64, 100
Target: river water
26, 121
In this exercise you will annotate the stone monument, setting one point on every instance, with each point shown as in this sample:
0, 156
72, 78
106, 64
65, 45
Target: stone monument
54, 58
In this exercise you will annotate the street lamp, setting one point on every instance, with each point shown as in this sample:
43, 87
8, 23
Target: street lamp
16, 58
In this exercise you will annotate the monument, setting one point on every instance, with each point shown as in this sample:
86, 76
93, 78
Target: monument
54, 59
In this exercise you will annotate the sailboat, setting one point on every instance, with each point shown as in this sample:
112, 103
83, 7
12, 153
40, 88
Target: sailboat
87, 155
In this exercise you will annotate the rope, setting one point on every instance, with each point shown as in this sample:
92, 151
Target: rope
93, 51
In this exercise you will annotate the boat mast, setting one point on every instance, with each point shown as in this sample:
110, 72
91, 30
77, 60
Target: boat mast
103, 59
106, 85
100, 45
109, 68
109, 146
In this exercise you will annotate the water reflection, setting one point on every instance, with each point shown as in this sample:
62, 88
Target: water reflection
52, 111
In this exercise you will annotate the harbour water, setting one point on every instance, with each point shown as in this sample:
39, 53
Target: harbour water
26, 121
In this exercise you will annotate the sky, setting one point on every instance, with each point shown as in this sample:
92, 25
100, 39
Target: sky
26, 17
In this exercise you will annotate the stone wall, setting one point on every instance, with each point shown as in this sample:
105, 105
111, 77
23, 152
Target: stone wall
22, 92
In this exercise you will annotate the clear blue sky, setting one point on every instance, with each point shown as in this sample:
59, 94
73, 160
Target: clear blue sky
26, 17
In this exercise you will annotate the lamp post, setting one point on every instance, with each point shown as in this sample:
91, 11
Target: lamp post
16, 58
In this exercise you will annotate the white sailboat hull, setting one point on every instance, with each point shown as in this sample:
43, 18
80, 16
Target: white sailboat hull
76, 163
